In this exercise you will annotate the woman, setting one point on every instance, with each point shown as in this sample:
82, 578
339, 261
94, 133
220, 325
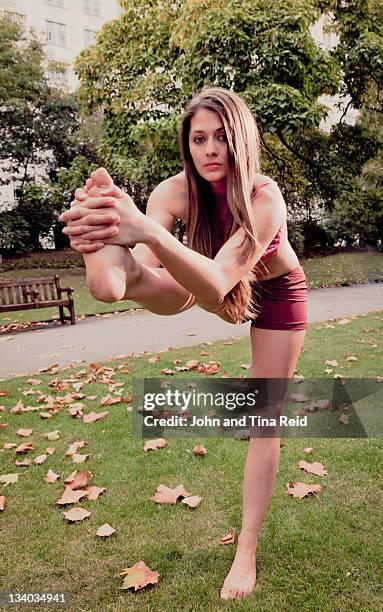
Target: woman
236, 220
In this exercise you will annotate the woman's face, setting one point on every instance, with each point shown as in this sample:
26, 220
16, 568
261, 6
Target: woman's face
208, 145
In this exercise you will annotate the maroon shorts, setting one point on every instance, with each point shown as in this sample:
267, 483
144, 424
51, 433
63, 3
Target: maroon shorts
281, 302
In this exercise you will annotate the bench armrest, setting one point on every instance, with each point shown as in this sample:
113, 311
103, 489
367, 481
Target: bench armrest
68, 290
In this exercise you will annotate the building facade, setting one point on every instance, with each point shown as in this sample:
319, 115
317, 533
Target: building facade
65, 27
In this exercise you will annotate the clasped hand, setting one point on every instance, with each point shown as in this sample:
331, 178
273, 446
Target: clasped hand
108, 218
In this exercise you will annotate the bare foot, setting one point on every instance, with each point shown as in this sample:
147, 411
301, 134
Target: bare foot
241, 578
99, 180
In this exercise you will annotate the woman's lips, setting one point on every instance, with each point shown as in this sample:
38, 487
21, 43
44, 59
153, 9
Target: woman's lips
212, 166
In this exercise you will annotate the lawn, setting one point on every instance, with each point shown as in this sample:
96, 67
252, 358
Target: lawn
339, 269
311, 553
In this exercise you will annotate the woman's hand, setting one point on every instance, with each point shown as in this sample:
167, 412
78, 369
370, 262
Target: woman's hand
107, 220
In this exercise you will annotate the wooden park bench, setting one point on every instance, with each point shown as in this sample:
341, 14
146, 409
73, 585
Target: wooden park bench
31, 293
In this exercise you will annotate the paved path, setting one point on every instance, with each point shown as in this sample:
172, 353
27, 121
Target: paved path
98, 338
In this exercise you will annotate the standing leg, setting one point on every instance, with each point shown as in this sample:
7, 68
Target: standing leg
275, 355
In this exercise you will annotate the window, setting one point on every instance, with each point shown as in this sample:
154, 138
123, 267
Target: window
92, 7
56, 33
18, 18
58, 3
89, 37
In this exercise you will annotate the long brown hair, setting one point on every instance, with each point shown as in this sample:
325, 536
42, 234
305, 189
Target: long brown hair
243, 163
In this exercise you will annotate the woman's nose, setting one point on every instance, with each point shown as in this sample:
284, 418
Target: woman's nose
211, 147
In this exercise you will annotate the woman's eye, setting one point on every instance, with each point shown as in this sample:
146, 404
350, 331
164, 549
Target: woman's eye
222, 137
198, 139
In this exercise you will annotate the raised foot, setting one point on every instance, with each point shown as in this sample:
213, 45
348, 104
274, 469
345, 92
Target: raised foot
241, 578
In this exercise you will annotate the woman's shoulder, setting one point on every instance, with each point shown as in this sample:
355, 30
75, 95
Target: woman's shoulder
262, 180
173, 190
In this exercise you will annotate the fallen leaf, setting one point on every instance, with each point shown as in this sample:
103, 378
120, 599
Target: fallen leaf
2, 502
138, 576
9, 445
344, 418
193, 501
167, 371
77, 514
308, 450
199, 449
313, 468
333, 363
52, 435
75, 410
155, 444
229, 538
351, 358
300, 489
70, 497
246, 366
79, 458
105, 530
94, 493
154, 359
51, 477
46, 415
94, 416
297, 398
34, 381
24, 448
108, 400
7, 479
166, 495
73, 448
344, 321
78, 480
209, 368
24, 433
40, 459
18, 408
50, 451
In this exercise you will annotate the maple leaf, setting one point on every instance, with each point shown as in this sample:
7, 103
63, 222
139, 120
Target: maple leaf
24, 448
300, 489
155, 444
51, 477
52, 435
94, 493
8, 479
105, 530
138, 576
166, 495
40, 459
24, 433
78, 480
199, 449
209, 368
79, 458
73, 448
192, 501
75, 410
2, 502
313, 468
77, 514
229, 538
70, 497
94, 416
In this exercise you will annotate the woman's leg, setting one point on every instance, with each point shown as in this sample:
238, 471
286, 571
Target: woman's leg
275, 354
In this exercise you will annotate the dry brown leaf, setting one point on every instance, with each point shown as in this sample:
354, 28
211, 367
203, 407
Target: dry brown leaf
46, 415
77, 514
23, 463
166, 495
24, 433
34, 381
192, 364
70, 497
192, 501
344, 321
52, 435
301, 489
8, 479
154, 359
229, 538
228, 342
351, 358
75, 410
344, 418
105, 530
24, 448
199, 449
108, 400
50, 450
79, 458
167, 371
18, 408
94, 493
51, 477
212, 367
73, 448
4, 393
155, 444
313, 468
9, 445
40, 459
246, 366
308, 450
332, 363
138, 576
78, 480
2, 502
297, 398
94, 416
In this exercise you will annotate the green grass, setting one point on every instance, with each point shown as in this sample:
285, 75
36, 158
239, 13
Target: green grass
306, 548
340, 269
